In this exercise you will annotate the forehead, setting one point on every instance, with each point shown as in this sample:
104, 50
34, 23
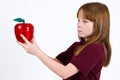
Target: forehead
80, 14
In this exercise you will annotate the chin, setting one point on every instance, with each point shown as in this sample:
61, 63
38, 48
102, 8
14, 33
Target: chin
82, 36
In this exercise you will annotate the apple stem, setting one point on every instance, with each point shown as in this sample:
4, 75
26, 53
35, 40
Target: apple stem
23, 21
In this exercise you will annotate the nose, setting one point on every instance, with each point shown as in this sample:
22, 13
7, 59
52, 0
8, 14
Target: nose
79, 24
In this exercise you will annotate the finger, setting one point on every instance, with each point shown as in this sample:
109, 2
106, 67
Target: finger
22, 44
24, 38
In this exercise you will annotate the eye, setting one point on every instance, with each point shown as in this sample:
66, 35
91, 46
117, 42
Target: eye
85, 21
78, 20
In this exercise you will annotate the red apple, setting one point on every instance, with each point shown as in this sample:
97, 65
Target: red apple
26, 29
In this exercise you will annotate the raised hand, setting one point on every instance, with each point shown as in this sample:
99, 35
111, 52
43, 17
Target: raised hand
29, 46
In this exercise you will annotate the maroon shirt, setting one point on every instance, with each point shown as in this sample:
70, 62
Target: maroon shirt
89, 62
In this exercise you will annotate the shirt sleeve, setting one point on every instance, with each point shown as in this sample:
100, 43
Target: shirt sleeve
88, 58
62, 57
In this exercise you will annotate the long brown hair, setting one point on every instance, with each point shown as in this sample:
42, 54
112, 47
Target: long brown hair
99, 14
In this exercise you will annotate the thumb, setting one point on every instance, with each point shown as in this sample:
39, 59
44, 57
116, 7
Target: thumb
33, 40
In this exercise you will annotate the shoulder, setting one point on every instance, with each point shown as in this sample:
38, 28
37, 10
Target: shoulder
95, 48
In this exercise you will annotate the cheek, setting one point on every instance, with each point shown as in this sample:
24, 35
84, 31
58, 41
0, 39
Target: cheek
89, 30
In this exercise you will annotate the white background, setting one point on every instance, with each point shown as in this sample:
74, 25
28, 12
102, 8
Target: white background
55, 30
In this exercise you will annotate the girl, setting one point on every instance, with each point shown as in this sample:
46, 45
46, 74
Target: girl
83, 60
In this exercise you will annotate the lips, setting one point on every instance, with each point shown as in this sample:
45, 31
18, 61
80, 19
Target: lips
80, 31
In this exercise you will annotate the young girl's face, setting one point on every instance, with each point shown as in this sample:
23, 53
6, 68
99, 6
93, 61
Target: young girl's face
84, 26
